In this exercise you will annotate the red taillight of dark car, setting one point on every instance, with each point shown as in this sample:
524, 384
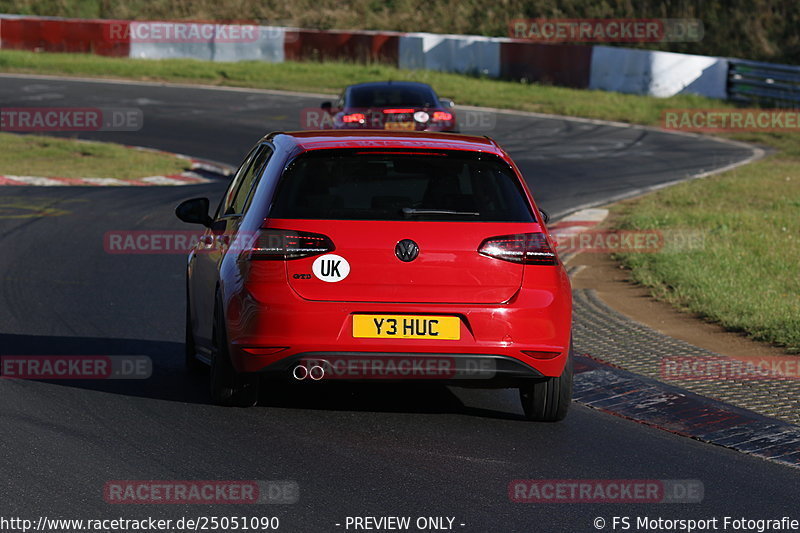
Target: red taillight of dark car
442, 116
284, 245
525, 248
354, 118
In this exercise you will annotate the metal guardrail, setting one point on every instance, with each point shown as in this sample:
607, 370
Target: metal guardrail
768, 84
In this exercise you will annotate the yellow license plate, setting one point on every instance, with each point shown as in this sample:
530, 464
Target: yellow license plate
406, 327
400, 126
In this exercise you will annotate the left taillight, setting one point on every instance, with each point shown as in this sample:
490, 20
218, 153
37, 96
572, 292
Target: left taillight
525, 248
284, 245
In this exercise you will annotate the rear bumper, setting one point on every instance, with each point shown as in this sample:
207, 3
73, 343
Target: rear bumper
273, 330
489, 369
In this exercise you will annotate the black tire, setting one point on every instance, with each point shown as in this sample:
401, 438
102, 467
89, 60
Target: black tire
193, 365
229, 387
548, 400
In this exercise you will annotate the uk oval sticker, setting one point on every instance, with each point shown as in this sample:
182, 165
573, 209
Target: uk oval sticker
330, 268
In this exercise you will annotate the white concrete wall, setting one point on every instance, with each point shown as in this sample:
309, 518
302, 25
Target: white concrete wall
465, 54
655, 73
154, 40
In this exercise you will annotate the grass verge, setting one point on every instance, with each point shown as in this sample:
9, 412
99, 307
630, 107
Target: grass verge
745, 276
34, 155
332, 77
745, 273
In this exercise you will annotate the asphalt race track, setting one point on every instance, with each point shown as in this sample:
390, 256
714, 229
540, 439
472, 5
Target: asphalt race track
353, 450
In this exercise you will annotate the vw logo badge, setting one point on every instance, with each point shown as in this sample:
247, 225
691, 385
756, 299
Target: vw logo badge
406, 250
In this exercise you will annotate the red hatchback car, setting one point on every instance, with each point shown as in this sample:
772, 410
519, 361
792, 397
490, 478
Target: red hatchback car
379, 255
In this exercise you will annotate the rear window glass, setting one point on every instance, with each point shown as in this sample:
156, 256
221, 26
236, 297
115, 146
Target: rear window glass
391, 96
382, 185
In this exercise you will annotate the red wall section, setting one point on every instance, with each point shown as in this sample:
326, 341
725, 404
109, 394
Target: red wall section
362, 47
100, 37
567, 65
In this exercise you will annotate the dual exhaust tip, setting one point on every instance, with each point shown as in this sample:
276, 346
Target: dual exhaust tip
302, 372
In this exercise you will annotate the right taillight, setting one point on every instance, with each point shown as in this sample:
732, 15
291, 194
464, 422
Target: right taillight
524, 248
280, 244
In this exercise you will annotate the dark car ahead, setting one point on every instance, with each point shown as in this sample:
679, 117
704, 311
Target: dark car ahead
392, 105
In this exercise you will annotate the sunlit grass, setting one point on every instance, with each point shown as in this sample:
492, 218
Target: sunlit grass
745, 275
34, 155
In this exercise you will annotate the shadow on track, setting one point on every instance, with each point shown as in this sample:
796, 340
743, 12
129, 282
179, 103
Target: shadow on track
169, 381
386, 397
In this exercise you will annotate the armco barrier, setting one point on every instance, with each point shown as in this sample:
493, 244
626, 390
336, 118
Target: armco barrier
767, 83
60, 35
362, 47
566, 65
655, 73
464, 54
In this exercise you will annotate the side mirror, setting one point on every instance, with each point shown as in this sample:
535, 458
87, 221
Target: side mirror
446, 102
326, 106
194, 211
545, 215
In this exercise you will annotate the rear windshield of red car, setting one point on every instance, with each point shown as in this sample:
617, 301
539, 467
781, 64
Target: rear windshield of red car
400, 185
382, 96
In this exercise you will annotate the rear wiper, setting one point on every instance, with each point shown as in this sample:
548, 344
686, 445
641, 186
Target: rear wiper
409, 212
